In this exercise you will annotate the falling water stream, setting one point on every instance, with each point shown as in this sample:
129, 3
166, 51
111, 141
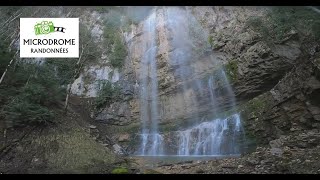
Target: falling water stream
205, 137
149, 91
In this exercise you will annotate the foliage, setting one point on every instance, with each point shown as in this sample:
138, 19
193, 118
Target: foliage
257, 105
108, 93
21, 111
25, 107
120, 170
109, 34
5, 55
119, 54
88, 48
112, 39
232, 70
280, 21
210, 39
31, 89
64, 69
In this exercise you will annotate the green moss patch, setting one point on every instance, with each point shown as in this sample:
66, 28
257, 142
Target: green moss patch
120, 170
232, 70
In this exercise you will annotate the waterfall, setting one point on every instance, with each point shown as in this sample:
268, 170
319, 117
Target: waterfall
202, 135
216, 137
151, 139
213, 94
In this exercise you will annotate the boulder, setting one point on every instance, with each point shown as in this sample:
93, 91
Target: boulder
117, 149
124, 137
276, 151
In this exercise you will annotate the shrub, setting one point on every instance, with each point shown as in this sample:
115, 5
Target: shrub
119, 54
116, 48
279, 21
210, 39
231, 69
30, 91
107, 94
89, 52
29, 106
20, 111
64, 69
109, 34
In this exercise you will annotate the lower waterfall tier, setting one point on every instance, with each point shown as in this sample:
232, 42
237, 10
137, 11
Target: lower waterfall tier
215, 137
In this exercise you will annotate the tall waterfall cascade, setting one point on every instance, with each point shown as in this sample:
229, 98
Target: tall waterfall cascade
149, 90
205, 136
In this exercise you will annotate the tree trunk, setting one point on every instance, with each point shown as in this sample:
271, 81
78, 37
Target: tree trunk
67, 98
76, 72
2, 77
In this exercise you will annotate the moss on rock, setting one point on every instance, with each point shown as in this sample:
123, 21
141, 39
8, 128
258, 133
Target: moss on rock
120, 170
232, 70
211, 41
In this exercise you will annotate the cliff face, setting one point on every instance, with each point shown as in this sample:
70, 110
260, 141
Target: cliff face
87, 84
276, 85
272, 94
290, 107
253, 65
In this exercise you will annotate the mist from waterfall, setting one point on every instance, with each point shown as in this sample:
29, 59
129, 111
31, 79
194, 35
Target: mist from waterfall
183, 53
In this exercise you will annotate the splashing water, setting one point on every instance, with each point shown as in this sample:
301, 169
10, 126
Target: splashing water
210, 138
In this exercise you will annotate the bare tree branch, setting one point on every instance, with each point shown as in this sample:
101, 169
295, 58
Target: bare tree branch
2, 77
10, 18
